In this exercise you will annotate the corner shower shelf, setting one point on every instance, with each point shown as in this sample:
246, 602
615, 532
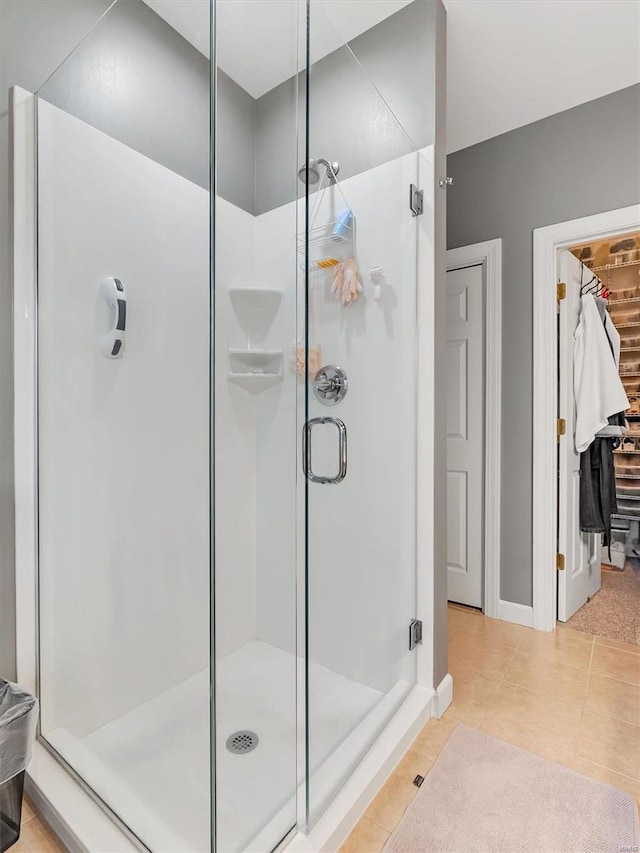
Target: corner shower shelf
254, 383
251, 301
255, 370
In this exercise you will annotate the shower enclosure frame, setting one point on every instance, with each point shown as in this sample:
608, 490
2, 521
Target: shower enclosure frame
75, 812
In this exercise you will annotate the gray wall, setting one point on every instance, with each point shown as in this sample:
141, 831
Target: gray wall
158, 100
576, 163
440, 632
370, 103
116, 78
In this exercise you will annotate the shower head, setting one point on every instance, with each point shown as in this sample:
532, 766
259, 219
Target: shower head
310, 174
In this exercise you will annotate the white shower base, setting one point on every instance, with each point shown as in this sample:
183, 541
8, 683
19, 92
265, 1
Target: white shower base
152, 764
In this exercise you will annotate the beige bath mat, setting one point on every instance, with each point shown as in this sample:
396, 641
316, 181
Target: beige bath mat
486, 796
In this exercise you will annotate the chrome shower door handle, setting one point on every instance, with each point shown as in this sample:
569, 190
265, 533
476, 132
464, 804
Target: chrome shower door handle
342, 451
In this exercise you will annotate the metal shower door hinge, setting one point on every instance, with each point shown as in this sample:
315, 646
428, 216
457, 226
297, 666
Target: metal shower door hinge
416, 200
561, 291
560, 562
415, 633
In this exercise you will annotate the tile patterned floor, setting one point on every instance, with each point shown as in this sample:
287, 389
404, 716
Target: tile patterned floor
35, 835
614, 611
568, 696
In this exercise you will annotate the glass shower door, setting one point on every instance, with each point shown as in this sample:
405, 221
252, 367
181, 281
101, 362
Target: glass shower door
358, 436
123, 431
254, 272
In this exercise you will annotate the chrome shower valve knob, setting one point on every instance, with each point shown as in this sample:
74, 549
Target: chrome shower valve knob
330, 385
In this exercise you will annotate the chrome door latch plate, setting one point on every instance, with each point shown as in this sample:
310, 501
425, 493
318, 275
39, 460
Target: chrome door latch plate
416, 200
415, 633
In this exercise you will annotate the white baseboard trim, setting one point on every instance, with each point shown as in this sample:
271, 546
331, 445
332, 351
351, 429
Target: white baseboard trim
521, 614
443, 697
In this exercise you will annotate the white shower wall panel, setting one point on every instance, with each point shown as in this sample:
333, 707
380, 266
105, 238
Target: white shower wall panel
124, 443
235, 441
278, 463
362, 531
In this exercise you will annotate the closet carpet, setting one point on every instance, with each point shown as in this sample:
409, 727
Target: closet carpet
614, 611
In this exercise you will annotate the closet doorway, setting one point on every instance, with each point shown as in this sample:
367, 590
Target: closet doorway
599, 587
574, 578
473, 425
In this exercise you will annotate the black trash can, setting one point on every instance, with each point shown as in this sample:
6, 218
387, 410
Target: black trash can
18, 720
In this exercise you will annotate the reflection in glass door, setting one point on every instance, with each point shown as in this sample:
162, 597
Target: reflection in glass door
123, 423
359, 435
255, 268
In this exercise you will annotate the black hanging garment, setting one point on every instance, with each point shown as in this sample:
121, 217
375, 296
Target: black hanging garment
598, 489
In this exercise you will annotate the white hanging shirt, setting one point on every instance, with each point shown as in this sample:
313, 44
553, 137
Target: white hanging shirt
598, 389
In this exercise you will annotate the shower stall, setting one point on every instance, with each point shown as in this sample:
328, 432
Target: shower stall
227, 455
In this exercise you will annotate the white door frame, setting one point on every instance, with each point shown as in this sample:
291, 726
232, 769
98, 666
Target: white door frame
546, 244
489, 256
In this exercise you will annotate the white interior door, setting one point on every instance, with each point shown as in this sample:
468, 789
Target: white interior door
465, 435
581, 576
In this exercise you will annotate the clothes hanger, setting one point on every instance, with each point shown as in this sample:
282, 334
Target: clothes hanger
594, 286
585, 288
589, 286
594, 289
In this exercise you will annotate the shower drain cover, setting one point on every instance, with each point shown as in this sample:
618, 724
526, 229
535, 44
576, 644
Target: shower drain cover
242, 741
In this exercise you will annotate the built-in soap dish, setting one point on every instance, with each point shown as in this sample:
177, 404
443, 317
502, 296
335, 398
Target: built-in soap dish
255, 370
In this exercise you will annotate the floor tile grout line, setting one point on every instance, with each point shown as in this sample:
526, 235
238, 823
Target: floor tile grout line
611, 717
544, 693
608, 769
615, 678
617, 649
379, 825
584, 704
559, 663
